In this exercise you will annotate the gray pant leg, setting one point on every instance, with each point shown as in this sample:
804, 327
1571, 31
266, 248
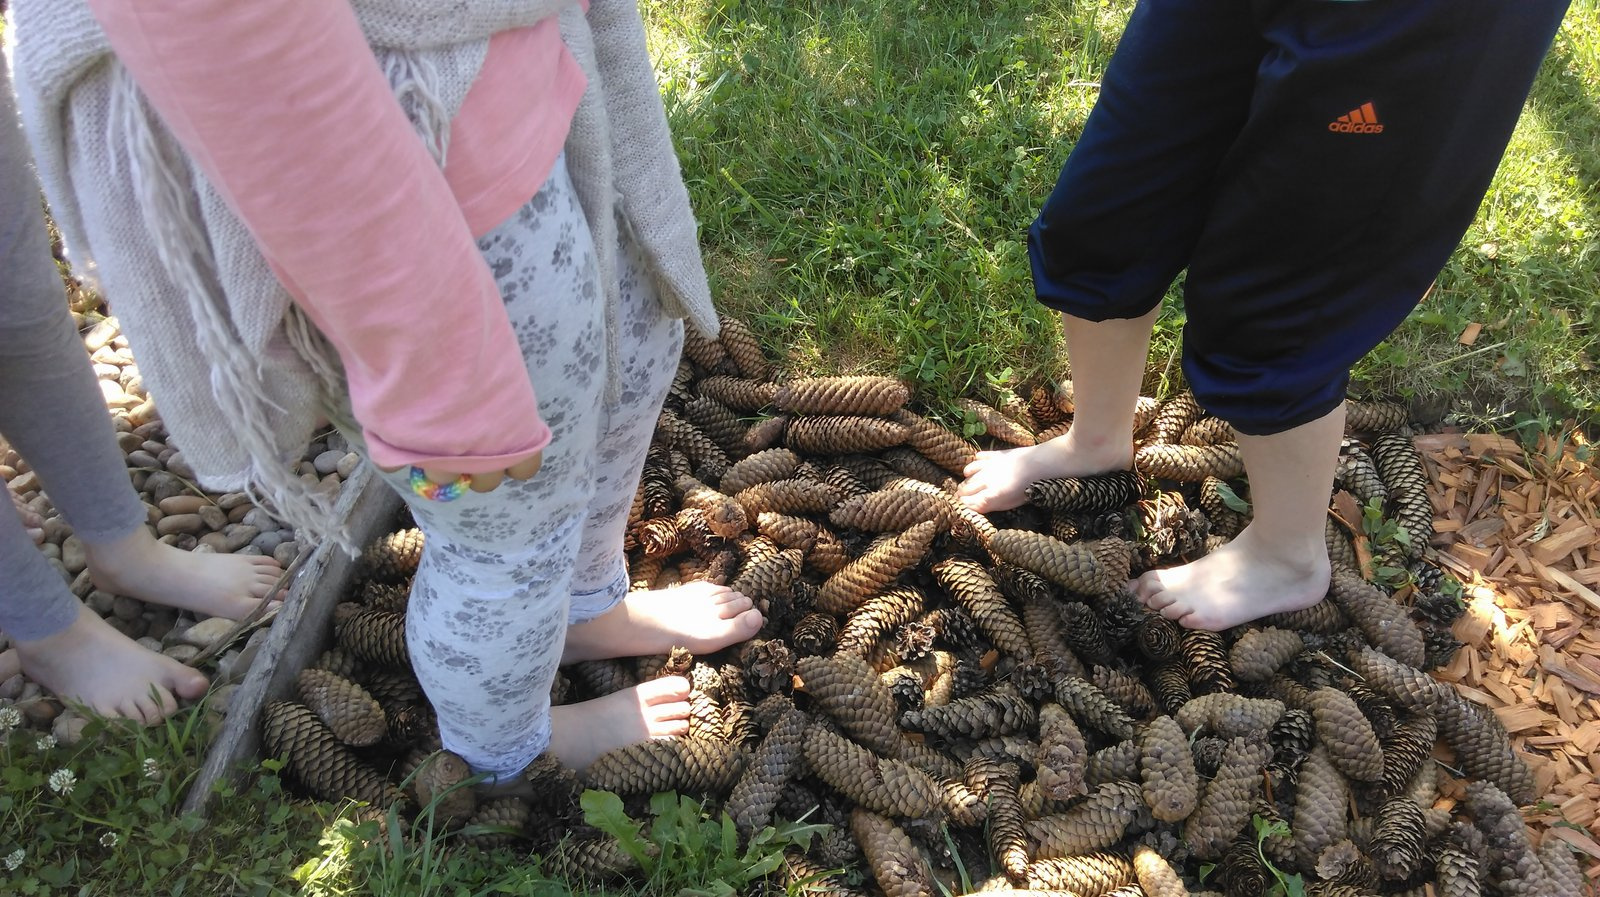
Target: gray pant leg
488, 614
51, 409
650, 345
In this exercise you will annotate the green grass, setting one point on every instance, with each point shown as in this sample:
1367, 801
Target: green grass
865, 173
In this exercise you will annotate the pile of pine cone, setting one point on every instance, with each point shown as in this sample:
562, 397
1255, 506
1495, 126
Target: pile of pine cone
969, 695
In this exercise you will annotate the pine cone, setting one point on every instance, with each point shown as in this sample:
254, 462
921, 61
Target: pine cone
440, 783
1084, 633
1129, 693
766, 434
1384, 623
1561, 871
1319, 812
767, 466
1358, 475
1062, 754
935, 443
316, 759
895, 863
996, 424
1169, 684
393, 558
1483, 749
1400, 466
878, 617
1224, 809
1173, 417
1512, 864
1093, 873
1405, 749
387, 596
602, 677
883, 786
808, 878
1117, 763
1095, 823
1074, 567
719, 422
723, 515
705, 455
912, 464
775, 762
743, 347
375, 637
768, 664
1208, 431
1156, 875
848, 691
837, 435
696, 765
1397, 839
998, 711
591, 859
864, 577
815, 634
1260, 653
1086, 495
1323, 618
703, 349
510, 814
1347, 735
737, 393
1189, 463
1230, 715
1207, 656
769, 578
340, 663
1166, 766
345, 707
1373, 417
1458, 868
792, 496
972, 588
1090, 707
892, 510
870, 396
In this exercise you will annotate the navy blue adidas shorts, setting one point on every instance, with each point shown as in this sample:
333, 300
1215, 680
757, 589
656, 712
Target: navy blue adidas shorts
1312, 163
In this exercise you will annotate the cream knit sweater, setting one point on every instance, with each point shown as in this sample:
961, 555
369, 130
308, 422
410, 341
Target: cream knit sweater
239, 374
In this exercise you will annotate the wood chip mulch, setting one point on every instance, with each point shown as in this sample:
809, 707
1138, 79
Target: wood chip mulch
1522, 531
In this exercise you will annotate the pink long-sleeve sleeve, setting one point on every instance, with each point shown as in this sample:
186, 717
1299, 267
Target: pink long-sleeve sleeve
285, 109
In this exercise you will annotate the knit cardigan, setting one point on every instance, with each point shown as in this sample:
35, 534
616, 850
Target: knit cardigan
240, 374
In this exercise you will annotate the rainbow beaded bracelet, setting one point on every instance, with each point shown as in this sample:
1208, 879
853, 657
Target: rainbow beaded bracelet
432, 491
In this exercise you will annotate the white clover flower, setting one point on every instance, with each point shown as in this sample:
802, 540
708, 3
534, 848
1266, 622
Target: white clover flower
45, 742
152, 769
9, 719
849, 101
110, 839
62, 780
14, 859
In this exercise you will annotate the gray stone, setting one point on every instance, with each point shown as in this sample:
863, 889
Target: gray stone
40, 712
129, 442
161, 622
11, 689
348, 465
142, 458
215, 518
186, 542
213, 543
337, 442
127, 608
206, 632
222, 698
100, 602
250, 550
68, 728
179, 466
134, 629
82, 585
158, 448
73, 555
230, 500
51, 550
56, 529
150, 642
153, 429
260, 519
267, 542
239, 535
286, 553
182, 653
328, 462
180, 523
185, 504
163, 486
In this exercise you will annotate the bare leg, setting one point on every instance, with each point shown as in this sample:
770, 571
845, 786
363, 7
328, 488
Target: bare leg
1280, 562
1107, 359
700, 616
655, 709
219, 585
95, 665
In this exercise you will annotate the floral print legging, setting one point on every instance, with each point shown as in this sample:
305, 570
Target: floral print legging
504, 573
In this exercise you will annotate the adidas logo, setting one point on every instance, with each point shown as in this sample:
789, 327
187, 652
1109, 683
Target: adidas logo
1357, 121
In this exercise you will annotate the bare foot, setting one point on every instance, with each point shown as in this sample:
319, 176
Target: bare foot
998, 481
217, 585
95, 665
1237, 583
656, 709
700, 616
